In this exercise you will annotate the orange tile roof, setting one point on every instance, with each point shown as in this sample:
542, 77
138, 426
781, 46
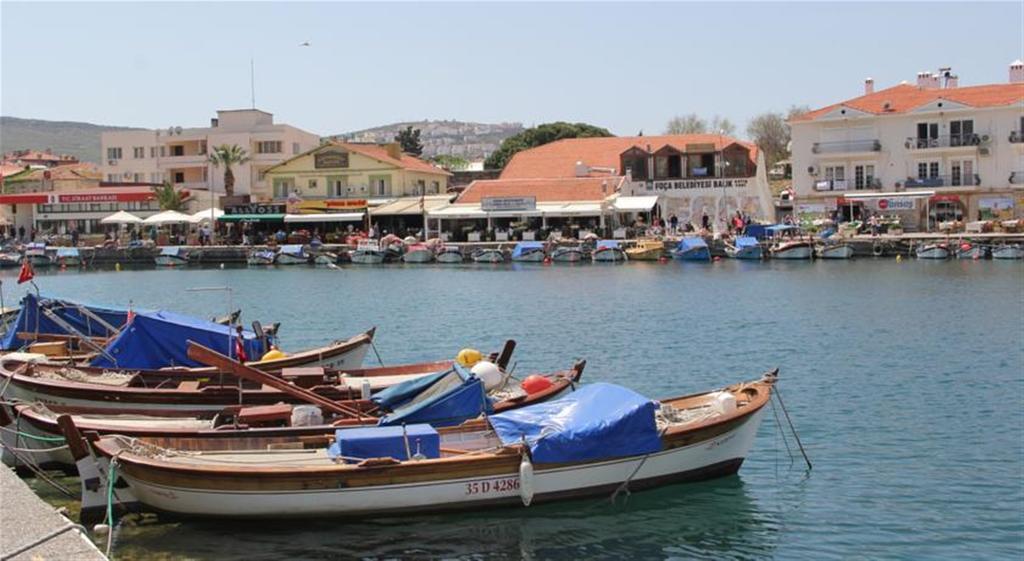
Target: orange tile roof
10, 169
38, 155
560, 189
905, 97
70, 171
558, 159
380, 152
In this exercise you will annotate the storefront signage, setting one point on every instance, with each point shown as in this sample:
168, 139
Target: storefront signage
811, 208
330, 159
102, 198
698, 148
508, 203
255, 208
685, 184
317, 206
896, 203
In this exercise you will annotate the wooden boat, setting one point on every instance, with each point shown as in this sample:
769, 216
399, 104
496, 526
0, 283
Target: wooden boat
692, 248
490, 255
260, 258
418, 253
172, 256
450, 254
608, 251
529, 252
646, 249
968, 250
800, 249
834, 250
68, 257
567, 254
368, 252
745, 247
294, 254
36, 254
503, 460
10, 259
1008, 251
933, 251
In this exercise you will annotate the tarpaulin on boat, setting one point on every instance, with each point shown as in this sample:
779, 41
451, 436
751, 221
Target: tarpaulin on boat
30, 320
292, 249
596, 422
160, 339
451, 406
399, 394
746, 241
526, 247
385, 442
691, 244
607, 244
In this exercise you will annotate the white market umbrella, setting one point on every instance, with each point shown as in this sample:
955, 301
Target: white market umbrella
202, 215
121, 217
168, 217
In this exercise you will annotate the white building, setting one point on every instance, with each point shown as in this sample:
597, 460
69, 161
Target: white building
179, 155
965, 144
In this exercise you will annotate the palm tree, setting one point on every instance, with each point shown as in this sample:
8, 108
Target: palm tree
167, 197
228, 156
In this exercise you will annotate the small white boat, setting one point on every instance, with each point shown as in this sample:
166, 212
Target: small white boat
1009, 251
968, 250
933, 251
36, 255
418, 253
529, 252
489, 256
745, 247
326, 258
69, 257
789, 243
260, 257
368, 252
608, 251
292, 255
567, 254
450, 254
172, 256
9, 259
834, 251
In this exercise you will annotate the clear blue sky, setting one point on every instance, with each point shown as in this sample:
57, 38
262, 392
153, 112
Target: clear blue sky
623, 66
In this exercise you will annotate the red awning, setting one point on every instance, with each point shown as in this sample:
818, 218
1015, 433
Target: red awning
944, 199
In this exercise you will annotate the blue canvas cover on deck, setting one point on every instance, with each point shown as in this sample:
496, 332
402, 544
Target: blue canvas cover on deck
596, 422
160, 339
525, 247
399, 394
745, 241
607, 243
385, 442
29, 320
67, 252
691, 244
292, 250
172, 250
462, 402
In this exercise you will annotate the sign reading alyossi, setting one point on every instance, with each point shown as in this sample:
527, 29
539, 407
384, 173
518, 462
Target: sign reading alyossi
255, 208
330, 159
708, 183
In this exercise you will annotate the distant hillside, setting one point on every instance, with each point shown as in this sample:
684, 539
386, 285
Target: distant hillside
61, 137
472, 141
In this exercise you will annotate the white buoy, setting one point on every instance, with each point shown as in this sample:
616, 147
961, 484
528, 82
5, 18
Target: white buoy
365, 390
221, 265
526, 480
100, 529
489, 374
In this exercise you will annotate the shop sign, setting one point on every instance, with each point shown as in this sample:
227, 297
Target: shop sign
99, 197
330, 159
319, 206
508, 203
686, 184
255, 208
896, 203
811, 208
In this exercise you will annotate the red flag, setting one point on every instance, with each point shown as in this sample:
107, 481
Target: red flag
26, 273
131, 314
240, 350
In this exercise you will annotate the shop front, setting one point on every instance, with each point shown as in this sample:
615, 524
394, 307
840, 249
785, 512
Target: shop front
81, 210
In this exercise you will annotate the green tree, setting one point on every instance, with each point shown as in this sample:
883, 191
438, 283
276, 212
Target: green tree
227, 156
167, 197
538, 136
409, 138
693, 123
450, 163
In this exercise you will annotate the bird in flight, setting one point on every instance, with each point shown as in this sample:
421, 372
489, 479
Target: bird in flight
305, 44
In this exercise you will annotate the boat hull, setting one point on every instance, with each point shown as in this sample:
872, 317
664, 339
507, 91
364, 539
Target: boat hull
450, 257
609, 255
418, 256
170, 261
290, 259
536, 256
646, 254
367, 257
496, 483
933, 252
567, 255
695, 254
794, 252
842, 251
39, 260
489, 256
747, 253
1008, 252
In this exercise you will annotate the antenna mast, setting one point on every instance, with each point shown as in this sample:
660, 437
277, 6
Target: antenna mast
252, 81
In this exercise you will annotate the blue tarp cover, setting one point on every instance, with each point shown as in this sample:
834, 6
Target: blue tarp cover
524, 247
780, 228
399, 394
170, 250
596, 422
28, 317
160, 339
67, 252
691, 243
464, 401
385, 442
746, 241
292, 249
607, 243
36, 245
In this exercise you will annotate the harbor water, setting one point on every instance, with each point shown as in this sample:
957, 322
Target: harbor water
904, 380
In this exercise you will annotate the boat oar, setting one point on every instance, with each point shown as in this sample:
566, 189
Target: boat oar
211, 357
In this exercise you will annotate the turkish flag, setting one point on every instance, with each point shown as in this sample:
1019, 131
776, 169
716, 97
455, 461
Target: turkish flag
26, 273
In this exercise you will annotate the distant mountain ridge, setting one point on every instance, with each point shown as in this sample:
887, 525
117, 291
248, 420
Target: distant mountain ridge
472, 141
81, 140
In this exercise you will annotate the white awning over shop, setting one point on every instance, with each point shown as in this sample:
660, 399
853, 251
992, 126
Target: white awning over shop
121, 217
892, 195
168, 217
458, 211
406, 206
571, 209
202, 215
325, 217
635, 204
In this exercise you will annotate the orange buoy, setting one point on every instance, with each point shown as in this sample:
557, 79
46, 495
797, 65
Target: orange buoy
535, 383
716, 259
663, 259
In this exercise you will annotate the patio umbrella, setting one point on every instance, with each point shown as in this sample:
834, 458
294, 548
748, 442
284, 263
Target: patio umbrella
204, 215
168, 217
121, 217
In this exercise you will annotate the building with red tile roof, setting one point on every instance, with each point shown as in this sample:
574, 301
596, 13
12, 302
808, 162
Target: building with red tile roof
38, 158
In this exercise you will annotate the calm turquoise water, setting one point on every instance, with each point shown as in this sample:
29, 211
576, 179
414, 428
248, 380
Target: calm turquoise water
905, 380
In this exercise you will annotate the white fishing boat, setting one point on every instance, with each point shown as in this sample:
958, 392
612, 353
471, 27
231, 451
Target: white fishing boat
418, 253
517, 457
968, 250
789, 243
450, 254
294, 254
368, 252
172, 256
529, 252
938, 250
260, 257
608, 251
36, 254
1008, 251
326, 258
834, 250
567, 254
68, 257
491, 255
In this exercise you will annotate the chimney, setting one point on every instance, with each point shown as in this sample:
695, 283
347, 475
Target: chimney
869, 86
394, 150
1016, 72
952, 81
927, 81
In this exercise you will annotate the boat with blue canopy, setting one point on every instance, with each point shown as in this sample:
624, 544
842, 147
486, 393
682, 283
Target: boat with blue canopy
745, 247
172, 256
36, 254
53, 319
294, 254
789, 242
69, 257
529, 252
692, 248
600, 440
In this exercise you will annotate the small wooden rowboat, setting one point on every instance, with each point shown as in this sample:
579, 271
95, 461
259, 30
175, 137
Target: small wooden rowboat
520, 456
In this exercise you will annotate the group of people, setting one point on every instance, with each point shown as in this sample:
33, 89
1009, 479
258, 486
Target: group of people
736, 224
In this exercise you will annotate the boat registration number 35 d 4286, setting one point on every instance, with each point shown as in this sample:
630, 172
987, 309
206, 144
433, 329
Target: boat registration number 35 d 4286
506, 485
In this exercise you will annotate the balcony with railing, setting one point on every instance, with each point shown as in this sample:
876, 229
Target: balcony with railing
944, 181
967, 140
1017, 137
846, 146
847, 185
